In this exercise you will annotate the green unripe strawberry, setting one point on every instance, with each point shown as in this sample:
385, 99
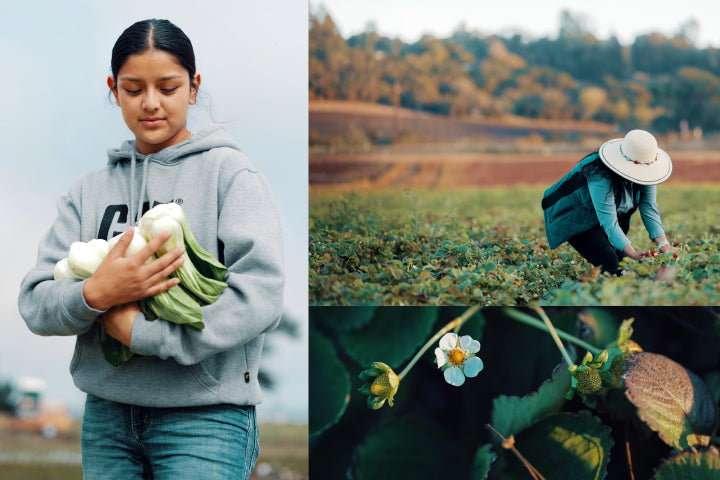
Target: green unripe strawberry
588, 381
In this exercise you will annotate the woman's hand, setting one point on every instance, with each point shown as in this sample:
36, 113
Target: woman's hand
630, 251
669, 249
639, 255
119, 320
119, 280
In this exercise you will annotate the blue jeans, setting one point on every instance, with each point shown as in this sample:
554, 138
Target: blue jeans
127, 442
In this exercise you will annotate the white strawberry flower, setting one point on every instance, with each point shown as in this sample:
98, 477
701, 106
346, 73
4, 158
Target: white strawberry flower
456, 358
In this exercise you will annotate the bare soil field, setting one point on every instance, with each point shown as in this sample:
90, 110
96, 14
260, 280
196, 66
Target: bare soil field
447, 170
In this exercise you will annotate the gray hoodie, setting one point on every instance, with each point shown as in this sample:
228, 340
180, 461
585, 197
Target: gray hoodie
231, 213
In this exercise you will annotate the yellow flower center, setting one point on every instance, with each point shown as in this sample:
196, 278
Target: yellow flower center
456, 356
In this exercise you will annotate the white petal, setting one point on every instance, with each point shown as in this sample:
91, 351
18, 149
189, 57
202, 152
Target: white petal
454, 376
441, 357
467, 343
448, 341
472, 366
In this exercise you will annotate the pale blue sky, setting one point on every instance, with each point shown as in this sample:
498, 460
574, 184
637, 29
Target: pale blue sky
409, 19
57, 122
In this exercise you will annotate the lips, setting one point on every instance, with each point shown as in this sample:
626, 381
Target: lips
152, 122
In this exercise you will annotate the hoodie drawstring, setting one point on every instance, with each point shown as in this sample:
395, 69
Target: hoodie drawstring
143, 186
135, 214
131, 204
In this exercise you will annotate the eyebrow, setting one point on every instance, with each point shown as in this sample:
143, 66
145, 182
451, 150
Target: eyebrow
169, 77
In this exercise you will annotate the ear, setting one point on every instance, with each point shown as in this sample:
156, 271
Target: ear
111, 85
194, 88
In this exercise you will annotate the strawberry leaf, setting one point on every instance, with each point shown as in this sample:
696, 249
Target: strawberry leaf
512, 414
671, 400
391, 337
484, 458
329, 385
690, 466
411, 448
568, 446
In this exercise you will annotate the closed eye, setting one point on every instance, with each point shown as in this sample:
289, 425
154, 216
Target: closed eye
132, 92
169, 90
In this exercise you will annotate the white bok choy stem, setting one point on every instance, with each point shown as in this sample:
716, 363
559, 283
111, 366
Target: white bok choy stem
201, 274
84, 258
136, 244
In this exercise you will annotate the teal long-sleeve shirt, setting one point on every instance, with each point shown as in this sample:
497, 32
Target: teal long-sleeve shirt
582, 200
604, 202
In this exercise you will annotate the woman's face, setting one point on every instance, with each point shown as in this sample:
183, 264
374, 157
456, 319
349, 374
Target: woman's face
154, 92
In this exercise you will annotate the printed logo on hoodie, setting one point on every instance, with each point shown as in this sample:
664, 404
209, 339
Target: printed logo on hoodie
116, 218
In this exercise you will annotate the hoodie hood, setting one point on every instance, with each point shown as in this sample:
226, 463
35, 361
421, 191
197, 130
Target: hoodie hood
211, 137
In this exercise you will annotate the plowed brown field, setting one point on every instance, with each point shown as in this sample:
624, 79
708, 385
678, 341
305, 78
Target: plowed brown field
447, 170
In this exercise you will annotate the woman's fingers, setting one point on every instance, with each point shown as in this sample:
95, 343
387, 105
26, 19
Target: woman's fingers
163, 286
122, 244
164, 266
152, 246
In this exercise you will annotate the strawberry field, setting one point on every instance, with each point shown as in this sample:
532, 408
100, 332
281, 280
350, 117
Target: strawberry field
488, 247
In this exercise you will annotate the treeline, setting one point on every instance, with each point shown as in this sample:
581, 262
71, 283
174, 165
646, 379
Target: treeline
657, 82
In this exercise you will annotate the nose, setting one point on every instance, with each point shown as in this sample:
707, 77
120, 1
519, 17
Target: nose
150, 101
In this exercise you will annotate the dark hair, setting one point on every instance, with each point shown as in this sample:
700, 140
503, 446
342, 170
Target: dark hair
597, 168
160, 34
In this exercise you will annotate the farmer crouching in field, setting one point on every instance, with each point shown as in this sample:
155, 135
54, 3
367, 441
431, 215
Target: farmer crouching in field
591, 206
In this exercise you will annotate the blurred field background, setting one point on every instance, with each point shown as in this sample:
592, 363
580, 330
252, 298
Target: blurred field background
31, 456
477, 108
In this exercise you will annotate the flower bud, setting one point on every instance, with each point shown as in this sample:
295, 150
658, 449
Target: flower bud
381, 385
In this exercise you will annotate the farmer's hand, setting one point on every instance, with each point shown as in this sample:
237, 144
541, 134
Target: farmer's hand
119, 280
118, 322
630, 251
669, 249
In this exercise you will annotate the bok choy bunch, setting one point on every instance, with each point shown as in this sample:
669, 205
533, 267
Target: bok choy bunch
201, 275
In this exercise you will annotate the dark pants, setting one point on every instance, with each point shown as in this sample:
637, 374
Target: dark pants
595, 247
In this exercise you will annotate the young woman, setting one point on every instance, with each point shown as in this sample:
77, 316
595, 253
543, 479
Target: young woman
186, 401
591, 206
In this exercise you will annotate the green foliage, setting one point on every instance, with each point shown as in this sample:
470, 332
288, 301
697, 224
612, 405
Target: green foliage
567, 445
435, 430
389, 335
690, 466
329, 384
7, 403
488, 247
484, 458
513, 414
345, 319
600, 327
655, 82
114, 352
395, 448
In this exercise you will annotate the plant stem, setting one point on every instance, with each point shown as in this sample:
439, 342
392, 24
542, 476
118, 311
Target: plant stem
554, 335
534, 322
509, 444
456, 324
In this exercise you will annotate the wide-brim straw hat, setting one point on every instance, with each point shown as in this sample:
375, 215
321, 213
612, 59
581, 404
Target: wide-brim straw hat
637, 158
